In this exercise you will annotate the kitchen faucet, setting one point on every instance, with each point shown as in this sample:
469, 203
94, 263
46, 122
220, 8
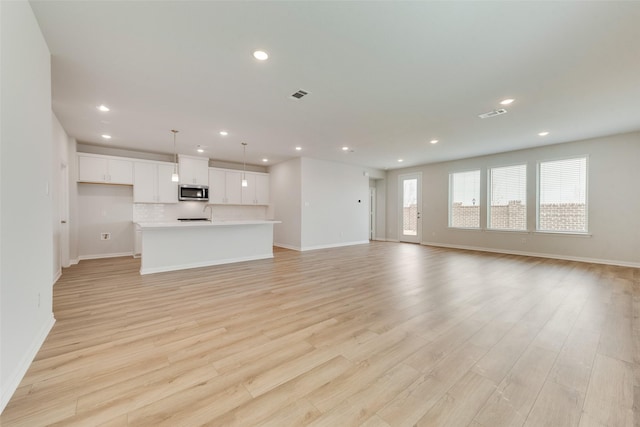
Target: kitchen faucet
210, 212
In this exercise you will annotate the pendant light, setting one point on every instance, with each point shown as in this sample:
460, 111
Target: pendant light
174, 176
244, 165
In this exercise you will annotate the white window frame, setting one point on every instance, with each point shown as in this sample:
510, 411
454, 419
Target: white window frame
586, 196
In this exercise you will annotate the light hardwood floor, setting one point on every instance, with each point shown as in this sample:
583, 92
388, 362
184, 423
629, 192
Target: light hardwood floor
384, 334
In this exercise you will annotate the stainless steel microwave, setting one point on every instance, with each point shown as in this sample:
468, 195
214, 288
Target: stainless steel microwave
198, 193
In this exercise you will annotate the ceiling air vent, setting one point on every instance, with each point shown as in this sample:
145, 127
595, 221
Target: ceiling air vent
299, 94
492, 113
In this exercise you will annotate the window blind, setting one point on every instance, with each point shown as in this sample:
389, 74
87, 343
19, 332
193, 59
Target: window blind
562, 199
508, 198
464, 196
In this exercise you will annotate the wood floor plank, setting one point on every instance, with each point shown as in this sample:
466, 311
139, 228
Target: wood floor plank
420, 396
385, 334
460, 404
556, 406
255, 411
299, 413
364, 404
609, 400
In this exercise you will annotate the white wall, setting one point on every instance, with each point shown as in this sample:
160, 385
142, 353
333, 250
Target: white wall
105, 209
613, 211
26, 227
321, 204
285, 193
334, 204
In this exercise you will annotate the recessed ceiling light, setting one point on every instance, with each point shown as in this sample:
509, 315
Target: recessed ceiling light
260, 55
105, 136
434, 141
224, 133
345, 148
507, 101
400, 160
103, 108
200, 150
545, 133
298, 148
265, 160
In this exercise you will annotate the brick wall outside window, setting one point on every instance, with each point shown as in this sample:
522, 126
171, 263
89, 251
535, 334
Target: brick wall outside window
563, 217
465, 216
512, 216
553, 216
409, 220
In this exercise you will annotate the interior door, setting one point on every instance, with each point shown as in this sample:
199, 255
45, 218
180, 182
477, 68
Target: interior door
410, 191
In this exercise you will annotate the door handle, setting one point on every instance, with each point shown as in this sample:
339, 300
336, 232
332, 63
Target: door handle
63, 222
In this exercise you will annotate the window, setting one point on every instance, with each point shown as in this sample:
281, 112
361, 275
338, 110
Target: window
464, 199
562, 197
508, 198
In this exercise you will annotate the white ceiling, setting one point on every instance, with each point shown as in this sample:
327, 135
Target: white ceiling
385, 77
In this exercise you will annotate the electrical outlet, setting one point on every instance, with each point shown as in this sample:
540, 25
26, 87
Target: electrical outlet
523, 240
38, 299
105, 236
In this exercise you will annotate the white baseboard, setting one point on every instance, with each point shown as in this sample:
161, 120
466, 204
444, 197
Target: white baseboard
393, 240
12, 384
334, 245
202, 264
536, 254
73, 261
57, 276
282, 245
99, 256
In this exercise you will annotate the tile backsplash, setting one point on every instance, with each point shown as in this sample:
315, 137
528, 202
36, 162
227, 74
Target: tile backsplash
157, 212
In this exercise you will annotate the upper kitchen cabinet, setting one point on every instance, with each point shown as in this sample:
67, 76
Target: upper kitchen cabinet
152, 183
217, 186
262, 189
193, 170
225, 187
257, 190
104, 169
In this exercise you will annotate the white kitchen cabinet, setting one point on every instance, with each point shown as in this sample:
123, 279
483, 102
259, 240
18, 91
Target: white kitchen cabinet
144, 182
193, 170
233, 187
225, 187
104, 169
217, 186
152, 183
167, 189
262, 189
257, 190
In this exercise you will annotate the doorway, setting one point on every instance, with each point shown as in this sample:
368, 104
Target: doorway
372, 213
410, 192
63, 244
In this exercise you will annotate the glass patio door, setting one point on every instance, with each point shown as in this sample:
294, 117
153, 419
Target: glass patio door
410, 207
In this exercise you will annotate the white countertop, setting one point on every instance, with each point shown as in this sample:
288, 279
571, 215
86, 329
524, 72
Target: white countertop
215, 223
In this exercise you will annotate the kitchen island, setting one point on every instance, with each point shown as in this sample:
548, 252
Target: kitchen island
169, 246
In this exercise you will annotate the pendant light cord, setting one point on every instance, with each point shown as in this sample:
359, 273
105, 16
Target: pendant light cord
175, 152
244, 160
